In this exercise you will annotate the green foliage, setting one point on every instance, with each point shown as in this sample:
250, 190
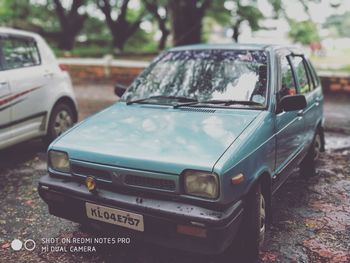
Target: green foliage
141, 42
82, 50
276, 6
13, 12
95, 38
241, 12
304, 32
251, 14
339, 24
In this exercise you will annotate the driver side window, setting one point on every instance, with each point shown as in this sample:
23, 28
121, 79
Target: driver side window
288, 86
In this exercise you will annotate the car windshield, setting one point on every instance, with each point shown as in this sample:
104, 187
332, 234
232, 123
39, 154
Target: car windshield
204, 76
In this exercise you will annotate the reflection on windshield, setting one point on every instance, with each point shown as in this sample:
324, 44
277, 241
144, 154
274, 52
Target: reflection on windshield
205, 75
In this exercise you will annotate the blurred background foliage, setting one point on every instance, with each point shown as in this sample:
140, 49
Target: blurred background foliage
94, 28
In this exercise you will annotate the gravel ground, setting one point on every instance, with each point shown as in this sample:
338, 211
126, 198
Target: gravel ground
311, 221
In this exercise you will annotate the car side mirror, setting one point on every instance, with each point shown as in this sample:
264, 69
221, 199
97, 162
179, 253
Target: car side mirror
119, 89
293, 102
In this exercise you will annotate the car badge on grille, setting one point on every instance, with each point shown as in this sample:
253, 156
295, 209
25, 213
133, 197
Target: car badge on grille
90, 183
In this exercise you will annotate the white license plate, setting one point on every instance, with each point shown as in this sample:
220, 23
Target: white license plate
115, 216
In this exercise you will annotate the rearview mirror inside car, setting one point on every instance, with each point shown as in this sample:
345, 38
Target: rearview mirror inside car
119, 89
293, 102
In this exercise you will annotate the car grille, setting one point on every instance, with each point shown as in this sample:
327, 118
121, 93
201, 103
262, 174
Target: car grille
87, 171
148, 182
129, 180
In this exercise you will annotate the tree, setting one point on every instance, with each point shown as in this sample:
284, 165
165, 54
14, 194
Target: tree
12, 12
71, 23
186, 20
153, 6
41, 18
304, 32
339, 24
233, 13
121, 28
246, 13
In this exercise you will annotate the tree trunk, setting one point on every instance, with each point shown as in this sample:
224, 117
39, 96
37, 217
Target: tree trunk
119, 39
66, 41
71, 23
163, 39
186, 19
120, 28
236, 32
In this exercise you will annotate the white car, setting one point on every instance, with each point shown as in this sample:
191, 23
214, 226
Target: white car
36, 94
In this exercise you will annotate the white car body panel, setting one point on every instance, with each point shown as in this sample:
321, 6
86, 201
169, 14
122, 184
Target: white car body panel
28, 94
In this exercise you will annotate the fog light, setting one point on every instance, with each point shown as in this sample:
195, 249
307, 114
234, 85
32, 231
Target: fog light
90, 183
192, 231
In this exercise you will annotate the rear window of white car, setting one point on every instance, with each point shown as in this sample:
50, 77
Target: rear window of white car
19, 53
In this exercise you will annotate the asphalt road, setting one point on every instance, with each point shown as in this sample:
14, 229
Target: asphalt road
311, 217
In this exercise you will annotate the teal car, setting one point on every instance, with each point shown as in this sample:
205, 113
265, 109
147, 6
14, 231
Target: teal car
192, 153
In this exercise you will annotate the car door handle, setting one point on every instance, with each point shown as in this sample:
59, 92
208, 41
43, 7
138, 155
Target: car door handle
300, 114
3, 84
48, 75
317, 101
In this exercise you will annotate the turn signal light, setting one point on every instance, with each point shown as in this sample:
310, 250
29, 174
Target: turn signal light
239, 178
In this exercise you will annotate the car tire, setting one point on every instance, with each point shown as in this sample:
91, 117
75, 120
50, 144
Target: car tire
250, 236
308, 164
61, 119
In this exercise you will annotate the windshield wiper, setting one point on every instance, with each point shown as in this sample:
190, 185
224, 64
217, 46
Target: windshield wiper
178, 98
231, 102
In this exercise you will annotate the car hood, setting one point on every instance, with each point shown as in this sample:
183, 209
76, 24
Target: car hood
155, 138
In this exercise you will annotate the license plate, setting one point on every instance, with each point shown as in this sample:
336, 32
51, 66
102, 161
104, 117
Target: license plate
115, 216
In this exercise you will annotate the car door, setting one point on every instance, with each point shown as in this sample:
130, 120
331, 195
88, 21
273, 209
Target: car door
5, 109
306, 86
25, 75
313, 117
289, 125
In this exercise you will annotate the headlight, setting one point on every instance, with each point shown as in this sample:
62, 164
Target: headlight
59, 161
201, 184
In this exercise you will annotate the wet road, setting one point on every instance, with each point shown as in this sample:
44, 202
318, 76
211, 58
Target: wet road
311, 217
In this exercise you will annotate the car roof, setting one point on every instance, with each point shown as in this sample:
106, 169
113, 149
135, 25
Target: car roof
11, 31
231, 46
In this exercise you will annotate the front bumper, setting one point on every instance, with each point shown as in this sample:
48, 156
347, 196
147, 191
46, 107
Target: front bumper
67, 199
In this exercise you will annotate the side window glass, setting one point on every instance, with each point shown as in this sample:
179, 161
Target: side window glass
19, 53
309, 75
314, 74
1, 63
287, 81
301, 74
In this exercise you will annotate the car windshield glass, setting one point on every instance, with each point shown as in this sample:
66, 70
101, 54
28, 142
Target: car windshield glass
204, 75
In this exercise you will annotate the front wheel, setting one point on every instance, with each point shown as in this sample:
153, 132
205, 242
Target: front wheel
308, 164
61, 119
246, 246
